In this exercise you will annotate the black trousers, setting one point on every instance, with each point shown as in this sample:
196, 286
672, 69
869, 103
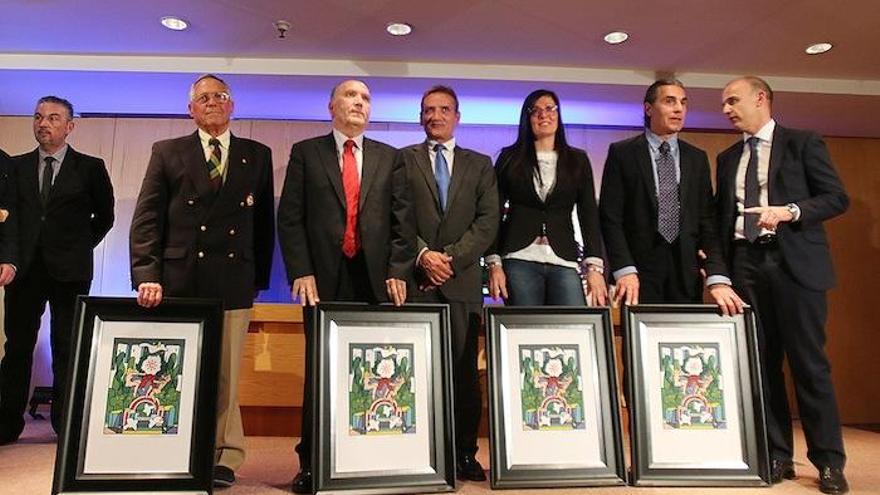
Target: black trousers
353, 286
465, 323
661, 278
26, 300
791, 323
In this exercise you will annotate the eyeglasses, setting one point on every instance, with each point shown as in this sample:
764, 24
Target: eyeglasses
548, 110
219, 97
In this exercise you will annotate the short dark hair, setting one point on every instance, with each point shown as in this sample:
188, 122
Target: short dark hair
759, 84
192, 87
340, 83
653, 89
439, 88
60, 101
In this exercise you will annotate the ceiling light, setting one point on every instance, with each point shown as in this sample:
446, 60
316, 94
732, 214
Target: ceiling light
818, 48
174, 23
616, 37
398, 28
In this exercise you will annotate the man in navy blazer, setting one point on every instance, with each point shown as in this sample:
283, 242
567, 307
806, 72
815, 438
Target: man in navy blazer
648, 267
204, 226
64, 208
776, 186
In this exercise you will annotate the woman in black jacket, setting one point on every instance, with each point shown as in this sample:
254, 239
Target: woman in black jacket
535, 259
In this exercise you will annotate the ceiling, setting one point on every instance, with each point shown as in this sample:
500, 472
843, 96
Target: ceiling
112, 57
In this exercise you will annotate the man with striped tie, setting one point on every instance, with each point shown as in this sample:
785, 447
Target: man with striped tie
204, 226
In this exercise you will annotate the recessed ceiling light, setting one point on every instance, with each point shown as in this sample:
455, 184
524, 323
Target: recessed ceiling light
818, 48
616, 37
398, 28
174, 23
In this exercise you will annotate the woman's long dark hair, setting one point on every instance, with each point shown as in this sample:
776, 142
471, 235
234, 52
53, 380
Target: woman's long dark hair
522, 158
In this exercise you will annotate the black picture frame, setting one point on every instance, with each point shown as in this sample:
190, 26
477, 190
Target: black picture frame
694, 390
91, 449
586, 448
408, 347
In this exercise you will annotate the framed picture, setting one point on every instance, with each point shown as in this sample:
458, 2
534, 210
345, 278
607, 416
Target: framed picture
553, 410
383, 409
697, 413
141, 408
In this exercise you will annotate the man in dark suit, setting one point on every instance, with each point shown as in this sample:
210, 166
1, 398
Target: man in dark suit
775, 188
455, 202
65, 208
657, 211
343, 225
204, 226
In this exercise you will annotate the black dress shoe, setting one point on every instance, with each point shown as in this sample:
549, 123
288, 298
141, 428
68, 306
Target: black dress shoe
223, 477
468, 468
302, 483
9, 433
832, 480
781, 470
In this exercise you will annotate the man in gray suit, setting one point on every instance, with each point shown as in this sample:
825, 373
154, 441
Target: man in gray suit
455, 201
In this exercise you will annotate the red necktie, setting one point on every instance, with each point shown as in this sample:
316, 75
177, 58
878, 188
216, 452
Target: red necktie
351, 184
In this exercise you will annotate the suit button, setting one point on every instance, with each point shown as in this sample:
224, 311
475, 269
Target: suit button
190, 202
203, 228
201, 254
231, 255
241, 204
231, 231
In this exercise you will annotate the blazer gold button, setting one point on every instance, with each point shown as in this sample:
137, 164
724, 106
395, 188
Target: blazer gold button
232, 255
231, 231
203, 228
201, 254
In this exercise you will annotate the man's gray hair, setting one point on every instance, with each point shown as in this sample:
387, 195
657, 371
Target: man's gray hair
192, 88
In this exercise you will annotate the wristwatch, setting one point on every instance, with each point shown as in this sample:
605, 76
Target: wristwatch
794, 210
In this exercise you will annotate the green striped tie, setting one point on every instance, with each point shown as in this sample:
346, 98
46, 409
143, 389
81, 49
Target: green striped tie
214, 164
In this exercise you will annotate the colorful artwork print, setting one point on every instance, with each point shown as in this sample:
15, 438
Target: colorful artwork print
552, 392
145, 383
691, 392
381, 394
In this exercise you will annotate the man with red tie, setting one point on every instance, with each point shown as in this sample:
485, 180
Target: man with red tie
344, 225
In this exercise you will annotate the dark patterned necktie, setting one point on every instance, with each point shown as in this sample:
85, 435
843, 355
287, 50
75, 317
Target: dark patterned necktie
753, 192
667, 195
214, 164
46, 184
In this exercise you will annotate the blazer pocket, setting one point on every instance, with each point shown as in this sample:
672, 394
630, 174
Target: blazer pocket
174, 252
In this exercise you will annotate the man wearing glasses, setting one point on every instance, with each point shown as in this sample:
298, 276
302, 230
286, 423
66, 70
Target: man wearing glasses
64, 206
204, 226
657, 211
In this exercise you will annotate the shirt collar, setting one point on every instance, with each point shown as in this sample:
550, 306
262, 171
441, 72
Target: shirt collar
204, 137
449, 145
58, 155
765, 133
342, 138
654, 141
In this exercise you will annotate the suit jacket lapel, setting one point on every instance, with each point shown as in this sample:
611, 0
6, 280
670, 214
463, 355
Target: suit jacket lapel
460, 169
423, 161
63, 175
643, 158
330, 161
196, 166
235, 170
368, 170
777, 152
730, 168
686, 174
29, 175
